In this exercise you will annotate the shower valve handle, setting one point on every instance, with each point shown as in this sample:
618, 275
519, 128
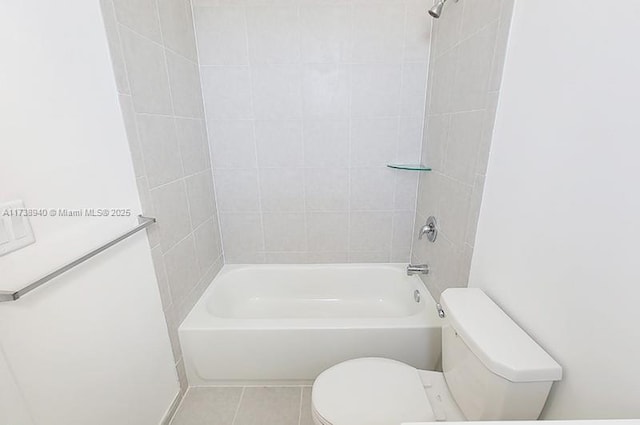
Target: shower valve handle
430, 229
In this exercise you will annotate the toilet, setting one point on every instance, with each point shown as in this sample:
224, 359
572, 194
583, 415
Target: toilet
492, 370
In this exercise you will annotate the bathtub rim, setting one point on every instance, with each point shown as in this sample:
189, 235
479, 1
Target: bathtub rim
200, 319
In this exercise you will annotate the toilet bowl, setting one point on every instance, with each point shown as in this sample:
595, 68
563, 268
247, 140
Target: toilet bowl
492, 370
378, 391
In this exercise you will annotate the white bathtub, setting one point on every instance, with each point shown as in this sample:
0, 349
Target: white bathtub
284, 324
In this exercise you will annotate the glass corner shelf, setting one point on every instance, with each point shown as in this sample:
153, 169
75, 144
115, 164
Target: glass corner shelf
409, 167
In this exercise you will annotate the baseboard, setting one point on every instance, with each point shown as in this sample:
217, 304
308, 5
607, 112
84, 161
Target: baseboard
172, 409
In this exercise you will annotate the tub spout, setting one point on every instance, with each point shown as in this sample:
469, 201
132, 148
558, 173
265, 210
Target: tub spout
417, 269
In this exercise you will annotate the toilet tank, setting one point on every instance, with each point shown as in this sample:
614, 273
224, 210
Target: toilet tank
494, 370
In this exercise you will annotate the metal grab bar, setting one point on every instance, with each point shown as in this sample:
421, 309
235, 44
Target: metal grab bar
12, 296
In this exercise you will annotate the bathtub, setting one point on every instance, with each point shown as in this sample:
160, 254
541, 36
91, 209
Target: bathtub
284, 324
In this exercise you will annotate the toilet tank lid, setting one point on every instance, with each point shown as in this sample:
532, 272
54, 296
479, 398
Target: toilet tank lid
501, 345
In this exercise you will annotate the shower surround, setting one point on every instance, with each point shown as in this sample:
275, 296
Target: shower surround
154, 58
306, 102
467, 57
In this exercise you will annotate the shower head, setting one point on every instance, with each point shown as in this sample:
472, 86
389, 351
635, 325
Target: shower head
436, 10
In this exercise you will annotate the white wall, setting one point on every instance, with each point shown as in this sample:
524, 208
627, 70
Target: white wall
92, 346
306, 103
12, 404
557, 243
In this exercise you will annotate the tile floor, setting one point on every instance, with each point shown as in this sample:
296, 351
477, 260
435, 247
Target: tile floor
245, 406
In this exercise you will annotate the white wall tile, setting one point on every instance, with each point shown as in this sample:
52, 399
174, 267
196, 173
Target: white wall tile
473, 70
325, 90
327, 189
172, 211
402, 235
474, 210
274, 33
326, 143
244, 257
325, 111
484, 147
208, 244
375, 90
184, 81
227, 92
148, 210
201, 201
327, 257
277, 91
237, 190
372, 189
279, 143
327, 231
147, 73
406, 189
369, 256
242, 235
462, 145
410, 140
370, 231
161, 275
282, 189
447, 28
140, 16
233, 144
176, 22
435, 141
222, 35
501, 45
374, 141
417, 36
284, 232
182, 268
478, 14
194, 149
325, 32
160, 148
414, 87
153, 47
466, 54
442, 82
378, 30
286, 257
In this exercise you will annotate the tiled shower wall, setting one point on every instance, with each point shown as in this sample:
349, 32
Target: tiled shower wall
467, 58
306, 102
154, 56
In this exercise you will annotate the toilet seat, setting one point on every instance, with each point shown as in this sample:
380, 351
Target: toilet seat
370, 391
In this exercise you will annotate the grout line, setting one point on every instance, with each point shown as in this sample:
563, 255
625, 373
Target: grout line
253, 129
302, 142
184, 177
175, 52
396, 177
184, 117
461, 39
350, 124
235, 415
302, 63
300, 406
